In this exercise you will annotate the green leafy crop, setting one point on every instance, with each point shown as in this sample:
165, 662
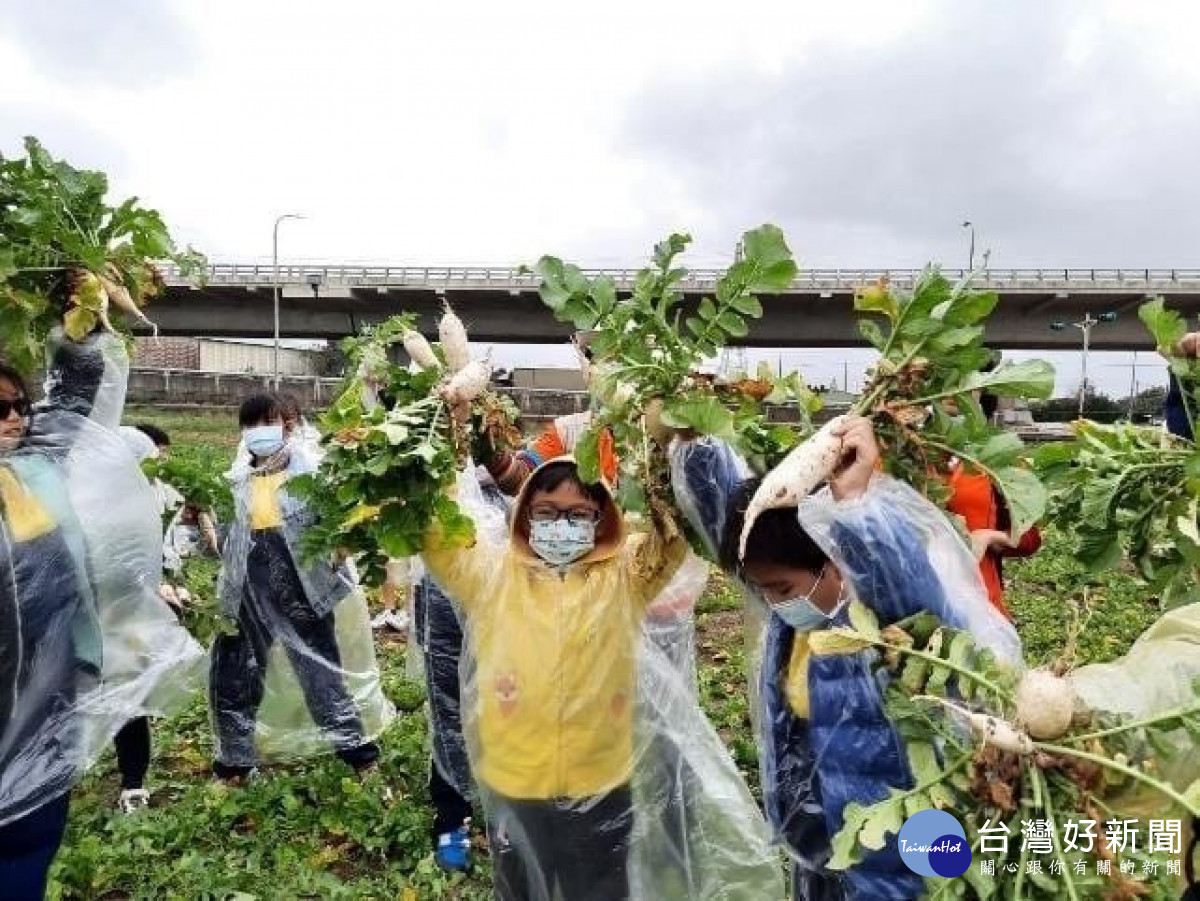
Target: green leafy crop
1125, 490
1080, 776
65, 253
922, 392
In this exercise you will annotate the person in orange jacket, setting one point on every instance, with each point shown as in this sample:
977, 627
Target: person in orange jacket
987, 519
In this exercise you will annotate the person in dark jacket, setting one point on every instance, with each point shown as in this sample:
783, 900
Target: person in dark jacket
273, 597
440, 638
1175, 410
825, 740
49, 632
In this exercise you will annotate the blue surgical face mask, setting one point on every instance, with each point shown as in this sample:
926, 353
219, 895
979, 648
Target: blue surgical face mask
561, 542
264, 440
805, 616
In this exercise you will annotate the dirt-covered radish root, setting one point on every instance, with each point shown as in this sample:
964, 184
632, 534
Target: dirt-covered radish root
795, 477
1045, 704
469, 382
999, 734
418, 348
453, 336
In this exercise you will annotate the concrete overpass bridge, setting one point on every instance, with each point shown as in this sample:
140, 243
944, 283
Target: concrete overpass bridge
501, 305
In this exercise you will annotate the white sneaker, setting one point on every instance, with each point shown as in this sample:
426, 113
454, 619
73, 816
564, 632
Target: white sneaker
133, 799
395, 620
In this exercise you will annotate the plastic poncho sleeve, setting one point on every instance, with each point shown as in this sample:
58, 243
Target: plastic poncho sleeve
704, 474
462, 572
1175, 410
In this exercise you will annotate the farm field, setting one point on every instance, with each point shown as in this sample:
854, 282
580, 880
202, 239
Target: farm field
315, 831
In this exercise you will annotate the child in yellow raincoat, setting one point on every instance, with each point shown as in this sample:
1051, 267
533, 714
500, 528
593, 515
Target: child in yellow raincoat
552, 621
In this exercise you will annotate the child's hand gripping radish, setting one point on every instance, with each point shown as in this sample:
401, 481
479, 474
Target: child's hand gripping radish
806, 467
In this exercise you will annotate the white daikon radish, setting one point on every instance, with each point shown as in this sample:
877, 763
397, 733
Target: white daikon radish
806, 467
453, 336
1045, 704
420, 351
118, 295
469, 382
999, 734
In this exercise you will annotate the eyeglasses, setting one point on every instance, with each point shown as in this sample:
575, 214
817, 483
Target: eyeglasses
580, 516
20, 406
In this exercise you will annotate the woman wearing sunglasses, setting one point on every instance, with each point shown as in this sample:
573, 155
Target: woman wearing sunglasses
84, 640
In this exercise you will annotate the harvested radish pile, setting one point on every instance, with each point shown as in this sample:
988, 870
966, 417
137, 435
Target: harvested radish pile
1131, 491
1001, 753
68, 258
651, 345
393, 445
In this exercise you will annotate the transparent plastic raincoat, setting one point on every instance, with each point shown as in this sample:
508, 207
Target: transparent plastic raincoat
296, 673
824, 740
570, 712
1156, 676
86, 643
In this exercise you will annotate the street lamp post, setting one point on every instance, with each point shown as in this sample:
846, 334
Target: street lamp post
971, 253
275, 282
1086, 325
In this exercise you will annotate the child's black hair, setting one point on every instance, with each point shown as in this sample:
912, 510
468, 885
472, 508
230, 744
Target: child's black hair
552, 475
258, 409
777, 537
10, 374
154, 433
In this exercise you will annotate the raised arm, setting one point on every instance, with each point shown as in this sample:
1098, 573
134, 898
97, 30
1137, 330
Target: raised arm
704, 474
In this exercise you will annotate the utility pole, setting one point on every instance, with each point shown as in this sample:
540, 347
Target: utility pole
1085, 325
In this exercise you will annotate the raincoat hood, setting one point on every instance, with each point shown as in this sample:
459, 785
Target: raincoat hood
610, 531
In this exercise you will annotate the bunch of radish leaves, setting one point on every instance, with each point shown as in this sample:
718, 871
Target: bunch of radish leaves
200, 485
1130, 491
59, 237
392, 453
1080, 776
651, 344
921, 393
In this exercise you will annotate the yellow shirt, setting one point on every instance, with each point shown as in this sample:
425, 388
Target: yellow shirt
795, 679
265, 512
27, 519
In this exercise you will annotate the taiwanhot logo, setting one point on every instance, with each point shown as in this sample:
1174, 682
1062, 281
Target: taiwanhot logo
933, 843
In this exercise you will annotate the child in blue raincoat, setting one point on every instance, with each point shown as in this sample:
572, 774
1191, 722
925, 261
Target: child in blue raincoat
825, 740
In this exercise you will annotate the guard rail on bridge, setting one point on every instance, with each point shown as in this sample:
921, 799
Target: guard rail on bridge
808, 280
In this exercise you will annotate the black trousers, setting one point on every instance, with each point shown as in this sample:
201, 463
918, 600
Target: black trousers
441, 639
275, 607
27, 848
581, 844
450, 809
133, 752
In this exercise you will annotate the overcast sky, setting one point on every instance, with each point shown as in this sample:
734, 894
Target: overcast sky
473, 132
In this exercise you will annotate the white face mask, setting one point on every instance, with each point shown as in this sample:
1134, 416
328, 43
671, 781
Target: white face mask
560, 542
803, 615
264, 440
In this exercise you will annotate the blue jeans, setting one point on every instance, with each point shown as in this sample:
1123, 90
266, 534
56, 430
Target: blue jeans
27, 848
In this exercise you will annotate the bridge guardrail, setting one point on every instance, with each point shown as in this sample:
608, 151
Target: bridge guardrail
510, 278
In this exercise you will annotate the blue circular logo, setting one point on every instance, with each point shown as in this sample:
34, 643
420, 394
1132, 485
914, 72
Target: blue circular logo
933, 843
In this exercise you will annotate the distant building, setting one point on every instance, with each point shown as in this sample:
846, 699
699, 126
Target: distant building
548, 378
214, 355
